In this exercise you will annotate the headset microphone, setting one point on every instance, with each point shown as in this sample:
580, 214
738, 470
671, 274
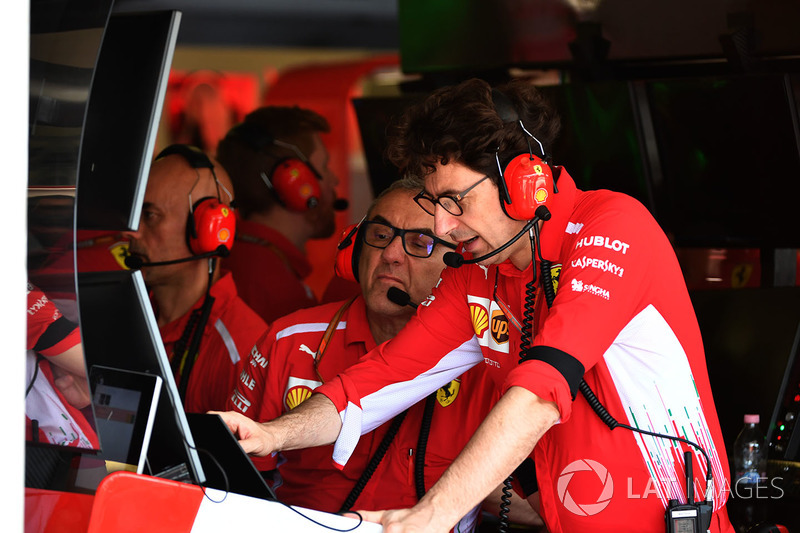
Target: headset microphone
134, 262
400, 297
340, 204
455, 260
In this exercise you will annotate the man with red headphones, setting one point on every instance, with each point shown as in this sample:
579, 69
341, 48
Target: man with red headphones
392, 248
279, 166
187, 223
561, 291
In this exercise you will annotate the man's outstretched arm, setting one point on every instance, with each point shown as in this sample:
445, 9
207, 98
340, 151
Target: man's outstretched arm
312, 423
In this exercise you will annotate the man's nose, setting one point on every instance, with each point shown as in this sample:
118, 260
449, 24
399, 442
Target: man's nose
443, 221
131, 235
394, 251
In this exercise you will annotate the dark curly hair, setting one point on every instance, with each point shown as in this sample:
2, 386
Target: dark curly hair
459, 124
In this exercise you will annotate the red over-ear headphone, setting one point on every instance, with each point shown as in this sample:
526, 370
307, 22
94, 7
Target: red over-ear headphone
294, 180
347, 253
211, 223
295, 183
527, 181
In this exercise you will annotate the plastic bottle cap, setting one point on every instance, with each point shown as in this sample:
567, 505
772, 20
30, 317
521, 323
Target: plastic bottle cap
751, 419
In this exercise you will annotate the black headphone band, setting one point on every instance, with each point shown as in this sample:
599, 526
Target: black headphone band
193, 155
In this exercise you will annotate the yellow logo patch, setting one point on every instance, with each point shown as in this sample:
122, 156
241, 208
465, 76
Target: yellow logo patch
555, 273
447, 394
297, 395
480, 318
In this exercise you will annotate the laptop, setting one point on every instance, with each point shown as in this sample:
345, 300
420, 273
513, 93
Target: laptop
226, 465
124, 404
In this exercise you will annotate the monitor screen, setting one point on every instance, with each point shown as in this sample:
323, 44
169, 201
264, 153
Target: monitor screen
748, 336
122, 118
374, 117
728, 153
119, 330
599, 143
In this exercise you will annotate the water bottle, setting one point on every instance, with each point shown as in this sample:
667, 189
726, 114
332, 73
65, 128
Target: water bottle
750, 454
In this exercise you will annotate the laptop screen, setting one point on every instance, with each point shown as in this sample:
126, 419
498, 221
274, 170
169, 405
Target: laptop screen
226, 465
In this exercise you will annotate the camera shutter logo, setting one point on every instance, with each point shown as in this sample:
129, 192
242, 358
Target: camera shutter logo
603, 499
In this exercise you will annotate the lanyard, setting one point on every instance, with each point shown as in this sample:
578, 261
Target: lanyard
326, 337
496, 297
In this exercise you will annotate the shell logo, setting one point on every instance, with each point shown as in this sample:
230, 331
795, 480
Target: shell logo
480, 318
540, 195
297, 395
223, 235
585, 509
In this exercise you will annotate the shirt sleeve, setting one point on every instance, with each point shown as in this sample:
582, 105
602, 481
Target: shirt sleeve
49, 332
435, 347
602, 284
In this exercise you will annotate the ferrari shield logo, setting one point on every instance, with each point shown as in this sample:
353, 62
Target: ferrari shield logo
555, 273
447, 394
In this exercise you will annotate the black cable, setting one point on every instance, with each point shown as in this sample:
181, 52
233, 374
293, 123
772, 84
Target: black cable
39, 357
612, 423
373, 463
197, 337
422, 445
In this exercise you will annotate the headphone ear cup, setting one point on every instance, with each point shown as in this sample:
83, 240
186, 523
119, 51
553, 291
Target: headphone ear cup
346, 264
211, 224
529, 184
296, 184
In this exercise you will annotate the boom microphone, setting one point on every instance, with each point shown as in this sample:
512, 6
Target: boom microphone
340, 204
134, 262
455, 260
400, 297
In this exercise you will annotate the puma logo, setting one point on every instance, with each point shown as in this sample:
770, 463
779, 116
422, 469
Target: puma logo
306, 349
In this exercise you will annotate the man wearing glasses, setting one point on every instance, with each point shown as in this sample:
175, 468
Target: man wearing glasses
392, 466
621, 325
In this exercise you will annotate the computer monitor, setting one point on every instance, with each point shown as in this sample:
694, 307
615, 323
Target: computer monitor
119, 330
728, 151
130, 81
749, 337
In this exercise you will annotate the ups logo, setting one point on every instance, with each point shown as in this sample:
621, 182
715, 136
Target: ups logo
499, 327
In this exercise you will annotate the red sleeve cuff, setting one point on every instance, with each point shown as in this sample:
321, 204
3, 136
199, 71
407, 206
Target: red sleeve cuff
334, 390
545, 382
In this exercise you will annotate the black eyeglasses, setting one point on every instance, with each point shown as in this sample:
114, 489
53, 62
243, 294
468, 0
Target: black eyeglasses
450, 202
416, 244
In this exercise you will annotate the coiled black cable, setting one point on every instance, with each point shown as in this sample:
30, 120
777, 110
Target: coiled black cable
422, 445
373, 463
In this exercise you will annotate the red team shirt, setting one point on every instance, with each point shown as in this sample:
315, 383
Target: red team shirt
231, 330
269, 271
280, 374
50, 334
622, 309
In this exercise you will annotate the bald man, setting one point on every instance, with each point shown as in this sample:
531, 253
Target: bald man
206, 328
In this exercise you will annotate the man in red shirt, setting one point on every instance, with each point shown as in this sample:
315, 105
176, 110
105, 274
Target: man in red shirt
311, 346
563, 291
279, 167
205, 326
